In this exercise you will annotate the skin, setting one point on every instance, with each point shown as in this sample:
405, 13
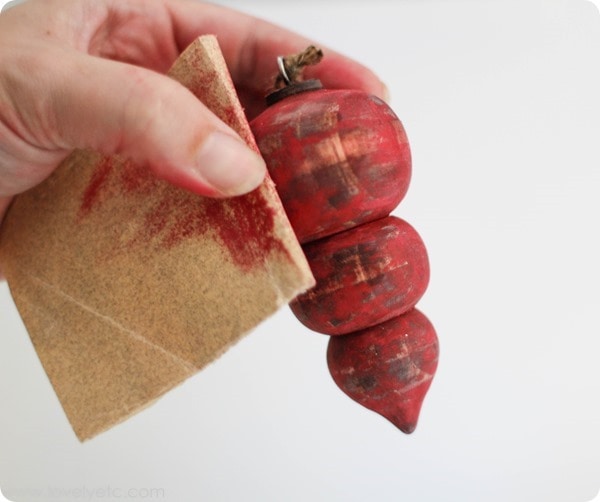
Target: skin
90, 74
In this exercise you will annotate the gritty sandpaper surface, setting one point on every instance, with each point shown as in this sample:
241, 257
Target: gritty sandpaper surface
128, 285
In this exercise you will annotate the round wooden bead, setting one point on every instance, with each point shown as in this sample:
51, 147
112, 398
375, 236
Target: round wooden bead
339, 158
364, 276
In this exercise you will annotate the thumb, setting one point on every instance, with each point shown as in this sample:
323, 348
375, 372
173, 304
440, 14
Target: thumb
117, 108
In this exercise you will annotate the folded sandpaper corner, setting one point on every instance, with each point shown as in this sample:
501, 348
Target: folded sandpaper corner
127, 285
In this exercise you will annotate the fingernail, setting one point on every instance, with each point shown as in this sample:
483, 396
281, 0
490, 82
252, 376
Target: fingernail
385, 93
229, 165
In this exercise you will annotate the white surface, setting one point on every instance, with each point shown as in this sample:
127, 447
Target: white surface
500, 101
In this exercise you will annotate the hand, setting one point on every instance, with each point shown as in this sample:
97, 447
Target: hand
90, 74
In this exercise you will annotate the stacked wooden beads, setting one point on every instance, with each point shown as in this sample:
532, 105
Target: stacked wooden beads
341, 162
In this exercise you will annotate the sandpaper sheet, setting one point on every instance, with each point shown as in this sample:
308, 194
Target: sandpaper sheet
128, 285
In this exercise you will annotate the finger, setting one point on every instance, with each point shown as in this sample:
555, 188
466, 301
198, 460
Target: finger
117, 108
161, 123
251, 46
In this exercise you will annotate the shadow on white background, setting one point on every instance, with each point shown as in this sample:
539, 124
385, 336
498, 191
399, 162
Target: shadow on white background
500, 102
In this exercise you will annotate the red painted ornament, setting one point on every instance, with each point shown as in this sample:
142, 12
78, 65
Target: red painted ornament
341, 163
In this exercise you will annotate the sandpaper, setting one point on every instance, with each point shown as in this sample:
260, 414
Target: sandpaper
128, 285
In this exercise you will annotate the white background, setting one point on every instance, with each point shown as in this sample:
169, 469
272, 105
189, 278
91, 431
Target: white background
500, 101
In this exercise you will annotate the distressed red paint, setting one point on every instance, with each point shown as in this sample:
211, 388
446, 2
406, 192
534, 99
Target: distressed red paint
365, 275
388, 368
244, 225
339, 158
341, 162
